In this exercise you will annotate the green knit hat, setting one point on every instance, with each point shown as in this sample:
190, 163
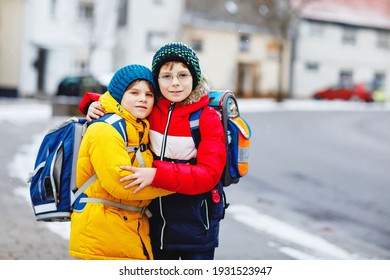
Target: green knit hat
125, 76
180, 52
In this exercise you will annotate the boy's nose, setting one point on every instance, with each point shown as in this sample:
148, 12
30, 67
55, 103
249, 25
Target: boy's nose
175, 79
142, 97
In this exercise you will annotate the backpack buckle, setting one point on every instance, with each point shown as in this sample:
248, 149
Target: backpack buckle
143, 147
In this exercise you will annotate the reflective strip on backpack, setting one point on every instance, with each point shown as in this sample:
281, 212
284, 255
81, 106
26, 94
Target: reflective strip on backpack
194, 123
112, 119
47, 207
32, 174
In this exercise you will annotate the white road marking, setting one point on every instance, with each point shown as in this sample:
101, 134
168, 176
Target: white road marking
252, 218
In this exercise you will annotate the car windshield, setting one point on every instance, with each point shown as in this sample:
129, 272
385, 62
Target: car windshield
89, 81
71, 80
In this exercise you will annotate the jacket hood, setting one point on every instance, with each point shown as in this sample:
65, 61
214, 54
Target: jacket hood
201, 90
110, 105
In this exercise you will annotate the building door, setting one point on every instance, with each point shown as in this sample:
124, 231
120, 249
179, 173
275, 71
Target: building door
246, 80
40, 66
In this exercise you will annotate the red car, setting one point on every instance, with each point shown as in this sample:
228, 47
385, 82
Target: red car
359, 92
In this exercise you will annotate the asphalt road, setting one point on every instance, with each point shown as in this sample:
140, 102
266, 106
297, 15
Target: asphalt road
324, 173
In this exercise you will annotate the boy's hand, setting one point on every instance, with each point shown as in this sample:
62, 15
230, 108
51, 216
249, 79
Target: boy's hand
95, 111
141, 176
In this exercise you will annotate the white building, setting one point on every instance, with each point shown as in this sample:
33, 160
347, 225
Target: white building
342, 40
71, 37
67, 37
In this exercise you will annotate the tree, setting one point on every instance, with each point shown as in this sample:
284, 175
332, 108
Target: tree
282, 17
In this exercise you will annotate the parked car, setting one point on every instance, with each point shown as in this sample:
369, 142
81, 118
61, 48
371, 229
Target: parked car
359, 91
77, 85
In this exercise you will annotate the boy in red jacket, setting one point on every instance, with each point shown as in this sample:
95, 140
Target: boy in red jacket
184, 225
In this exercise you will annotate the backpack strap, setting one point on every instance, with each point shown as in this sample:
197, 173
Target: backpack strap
120, 125
117, 122
143, 210
194, 125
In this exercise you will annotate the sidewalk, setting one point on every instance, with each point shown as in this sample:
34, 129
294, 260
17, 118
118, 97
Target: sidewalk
21, 237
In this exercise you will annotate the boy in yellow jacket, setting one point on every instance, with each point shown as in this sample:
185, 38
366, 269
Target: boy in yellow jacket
109, 221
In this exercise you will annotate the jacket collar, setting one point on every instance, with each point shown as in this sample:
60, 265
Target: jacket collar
110, 105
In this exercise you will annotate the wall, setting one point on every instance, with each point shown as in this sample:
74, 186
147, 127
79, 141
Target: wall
220, 58
10, 41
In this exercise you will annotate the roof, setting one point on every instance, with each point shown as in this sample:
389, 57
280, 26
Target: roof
239, 15
370, 13
250, 15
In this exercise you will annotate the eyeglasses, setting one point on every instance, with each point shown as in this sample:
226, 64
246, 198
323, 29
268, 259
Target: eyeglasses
169, 78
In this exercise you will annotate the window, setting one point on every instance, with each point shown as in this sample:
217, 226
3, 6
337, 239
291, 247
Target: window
383, 41
53, 5
345, 77
80, 65
155, 39
244, 42
86, 10
349, 36
311, 67
316, 29
379, 80
197, 45
122, 12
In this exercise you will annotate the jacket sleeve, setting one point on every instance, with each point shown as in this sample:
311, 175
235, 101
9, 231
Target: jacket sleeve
211, 159
87, 99
107, 153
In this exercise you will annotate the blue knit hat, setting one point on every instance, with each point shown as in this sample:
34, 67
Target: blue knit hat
125, 76
180, 52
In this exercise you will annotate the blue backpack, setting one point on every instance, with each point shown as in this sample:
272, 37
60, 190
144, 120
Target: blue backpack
237, 135
53, 190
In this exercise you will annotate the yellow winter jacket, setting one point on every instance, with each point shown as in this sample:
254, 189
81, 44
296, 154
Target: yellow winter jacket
100, 231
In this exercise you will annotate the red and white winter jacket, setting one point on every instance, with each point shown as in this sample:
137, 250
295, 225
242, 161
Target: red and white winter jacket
172, 120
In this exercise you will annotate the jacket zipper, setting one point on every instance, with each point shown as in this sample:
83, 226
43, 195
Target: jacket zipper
162, 153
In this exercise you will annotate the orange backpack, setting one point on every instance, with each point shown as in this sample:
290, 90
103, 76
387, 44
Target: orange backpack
237, 132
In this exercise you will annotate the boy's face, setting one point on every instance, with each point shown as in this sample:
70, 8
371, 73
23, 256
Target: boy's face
138, 99
175, 81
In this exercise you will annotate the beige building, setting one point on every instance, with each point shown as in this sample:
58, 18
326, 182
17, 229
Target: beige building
236, 49
10, 44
